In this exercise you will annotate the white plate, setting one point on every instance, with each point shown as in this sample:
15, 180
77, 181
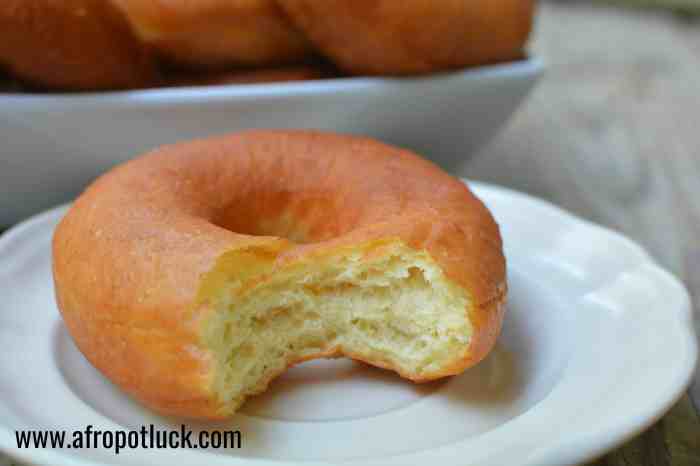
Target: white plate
54, 144
597, 344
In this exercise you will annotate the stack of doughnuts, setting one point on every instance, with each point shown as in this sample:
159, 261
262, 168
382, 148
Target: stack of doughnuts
121, 44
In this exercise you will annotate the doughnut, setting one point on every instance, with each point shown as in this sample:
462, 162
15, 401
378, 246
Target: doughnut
387, 37
217, 33
74, 45
122, 44
252, 76
195, 274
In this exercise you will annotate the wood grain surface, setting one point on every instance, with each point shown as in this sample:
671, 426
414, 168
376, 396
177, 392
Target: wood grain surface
612, 133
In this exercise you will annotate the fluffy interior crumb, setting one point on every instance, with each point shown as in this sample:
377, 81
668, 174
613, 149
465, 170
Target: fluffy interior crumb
396, 308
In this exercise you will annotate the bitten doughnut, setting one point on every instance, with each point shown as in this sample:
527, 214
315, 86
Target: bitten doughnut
75, 45
413, 36
217, 33
194, 275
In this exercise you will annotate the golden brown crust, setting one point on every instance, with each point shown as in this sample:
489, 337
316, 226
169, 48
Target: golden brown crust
216, 33
130, 255
111, 44
413, 36
79, 45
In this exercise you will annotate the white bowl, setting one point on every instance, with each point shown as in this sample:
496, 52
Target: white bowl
54, 144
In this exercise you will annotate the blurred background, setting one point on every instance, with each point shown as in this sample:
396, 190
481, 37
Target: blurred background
612, 132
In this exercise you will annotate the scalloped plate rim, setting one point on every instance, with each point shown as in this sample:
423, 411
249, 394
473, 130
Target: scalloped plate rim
589, 444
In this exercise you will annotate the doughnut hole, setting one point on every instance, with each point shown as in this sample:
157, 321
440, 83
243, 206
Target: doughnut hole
306, 217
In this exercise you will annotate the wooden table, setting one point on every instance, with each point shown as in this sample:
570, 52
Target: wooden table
612, 133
